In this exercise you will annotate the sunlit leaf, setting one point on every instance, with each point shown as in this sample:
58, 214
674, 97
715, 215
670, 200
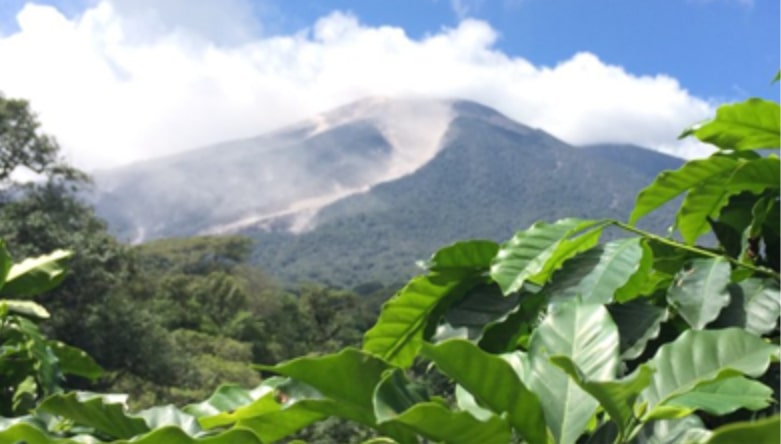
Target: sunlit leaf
502, 392
749, 125
700, 292
587, 335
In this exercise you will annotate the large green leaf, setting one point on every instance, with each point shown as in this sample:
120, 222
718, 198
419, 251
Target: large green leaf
638, 284
74, 361
231, 403
493, 382
638, 322
700, 292
25, 308
504, 335
106, 413
35, 275
754, 306
706, 200
749, 125
617, 398
349, 376
596, 274
395, 394
527, 254
25, 433
669, 184
435, 422
700, 356
398, 334
482, 306
586, 334
473, 255
761, 431
686, 430
725, 396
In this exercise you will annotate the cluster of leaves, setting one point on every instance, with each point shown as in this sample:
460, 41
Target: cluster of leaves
550, 337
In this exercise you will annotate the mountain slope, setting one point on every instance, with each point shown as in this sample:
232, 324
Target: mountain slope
224, 187
491, 177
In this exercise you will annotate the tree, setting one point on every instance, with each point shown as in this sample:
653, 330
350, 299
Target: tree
22, 145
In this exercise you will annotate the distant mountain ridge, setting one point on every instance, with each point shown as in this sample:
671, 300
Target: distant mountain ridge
360, 193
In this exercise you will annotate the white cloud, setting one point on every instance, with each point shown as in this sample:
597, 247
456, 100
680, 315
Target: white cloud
112, 97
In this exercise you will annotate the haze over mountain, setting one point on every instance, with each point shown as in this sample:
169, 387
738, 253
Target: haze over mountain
359, 193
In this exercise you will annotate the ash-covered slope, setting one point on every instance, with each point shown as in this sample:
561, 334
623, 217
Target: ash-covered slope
286, 175
491, 177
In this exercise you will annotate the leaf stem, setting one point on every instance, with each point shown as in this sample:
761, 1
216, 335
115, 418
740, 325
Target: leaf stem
695, 250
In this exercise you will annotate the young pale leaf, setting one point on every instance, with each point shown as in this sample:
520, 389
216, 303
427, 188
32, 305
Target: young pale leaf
700, 292
587, 335
528, 252
719, 354
753, 124
398, 334
436, 423
760, 431
502, 391
725, 396
669, 184
35, 275
595, 275
229, 397
616, 397
638, 322
105, 413
25, 308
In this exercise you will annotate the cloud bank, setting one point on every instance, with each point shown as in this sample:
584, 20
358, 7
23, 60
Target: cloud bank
119, 84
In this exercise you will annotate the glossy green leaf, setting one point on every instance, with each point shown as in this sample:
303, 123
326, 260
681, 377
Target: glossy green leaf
528, 252
755, 175
686, 430
24, 433
472, 255
231, 403
74, 361
724, 396
700, 292
749, 125
670, 184
701, 356
638, 283
436, 423
479, 308
170, 416
704, 202
106, 413
358, 375
761, 431
617, 398
503, 335
466, 402
587, 335
25, 308
754, 306
595, 275
638, 322
395, 394
398, 334
35, 275
502, 392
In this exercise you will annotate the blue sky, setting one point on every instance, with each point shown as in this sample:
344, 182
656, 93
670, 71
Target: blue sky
587, 71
